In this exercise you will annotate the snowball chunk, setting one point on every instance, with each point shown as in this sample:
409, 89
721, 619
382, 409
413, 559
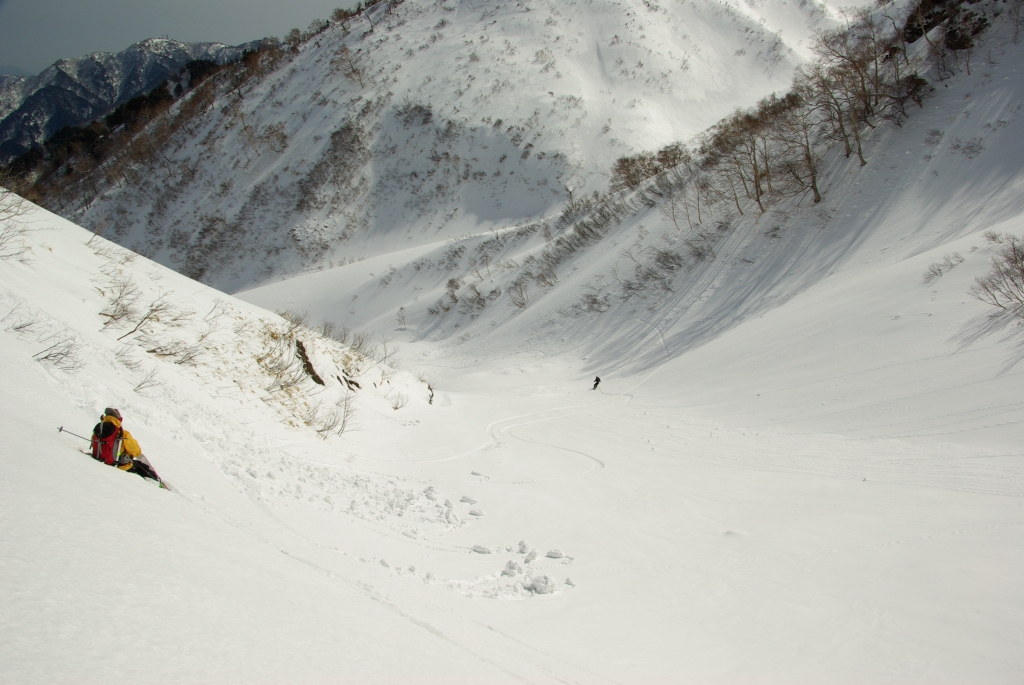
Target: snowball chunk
543, 585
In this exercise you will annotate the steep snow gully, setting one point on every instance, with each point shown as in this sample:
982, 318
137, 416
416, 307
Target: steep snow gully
803, 463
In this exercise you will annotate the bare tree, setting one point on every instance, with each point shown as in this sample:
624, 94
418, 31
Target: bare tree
347, 62
367, 12
629, 172
681, 185
830, 100
675, 203
1003, 286
383, 357
736, 142
125, 355
796, 129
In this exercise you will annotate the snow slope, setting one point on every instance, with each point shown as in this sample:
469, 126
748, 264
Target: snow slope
107, 578
803, 463
650, 536
811, 348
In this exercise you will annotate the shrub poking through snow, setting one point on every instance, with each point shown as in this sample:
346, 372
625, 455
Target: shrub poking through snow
1003, 286
62, 350
13, 223
61, 346
938, 268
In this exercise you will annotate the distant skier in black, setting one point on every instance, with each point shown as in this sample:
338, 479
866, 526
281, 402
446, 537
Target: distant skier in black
597, 382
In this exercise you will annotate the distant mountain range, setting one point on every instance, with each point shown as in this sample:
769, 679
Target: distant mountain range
11, 70
72, 92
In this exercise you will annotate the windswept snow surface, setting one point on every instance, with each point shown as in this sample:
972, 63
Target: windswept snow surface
803, 465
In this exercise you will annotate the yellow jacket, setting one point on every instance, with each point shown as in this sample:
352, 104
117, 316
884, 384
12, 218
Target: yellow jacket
129, 445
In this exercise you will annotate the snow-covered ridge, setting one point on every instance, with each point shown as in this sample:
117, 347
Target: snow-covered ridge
72, 92
638, 255
325, 159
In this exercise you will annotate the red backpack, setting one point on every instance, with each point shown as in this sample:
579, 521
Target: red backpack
106, 442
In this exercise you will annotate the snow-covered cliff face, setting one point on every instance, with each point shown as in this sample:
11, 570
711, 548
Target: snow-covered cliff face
447, 118
75, 91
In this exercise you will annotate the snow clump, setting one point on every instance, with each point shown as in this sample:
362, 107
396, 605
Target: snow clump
512, 569
543, 585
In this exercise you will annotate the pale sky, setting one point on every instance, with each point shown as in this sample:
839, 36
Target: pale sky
36, 33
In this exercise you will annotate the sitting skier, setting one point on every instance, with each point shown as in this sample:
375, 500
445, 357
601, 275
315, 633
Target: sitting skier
115, 446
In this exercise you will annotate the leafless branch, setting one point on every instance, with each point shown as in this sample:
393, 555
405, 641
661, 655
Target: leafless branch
62, 352
149, 381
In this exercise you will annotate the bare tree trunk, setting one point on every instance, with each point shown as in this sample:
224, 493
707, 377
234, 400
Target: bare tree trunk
856, 134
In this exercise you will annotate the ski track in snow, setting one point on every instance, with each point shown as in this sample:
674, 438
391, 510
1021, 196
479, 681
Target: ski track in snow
362, 588
404, 515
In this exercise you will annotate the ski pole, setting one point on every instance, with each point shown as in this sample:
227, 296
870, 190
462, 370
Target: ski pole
61, 430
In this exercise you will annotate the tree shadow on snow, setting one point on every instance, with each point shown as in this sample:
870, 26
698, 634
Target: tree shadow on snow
1008, 327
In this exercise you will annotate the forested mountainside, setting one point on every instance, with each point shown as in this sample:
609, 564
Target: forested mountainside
72, 92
